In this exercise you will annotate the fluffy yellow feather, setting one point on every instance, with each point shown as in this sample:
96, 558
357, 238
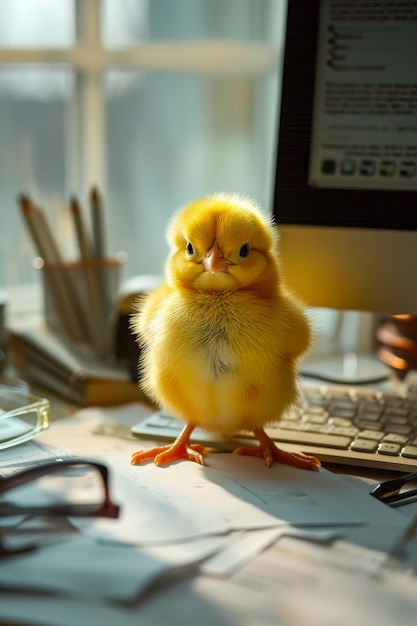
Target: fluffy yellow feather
221, 337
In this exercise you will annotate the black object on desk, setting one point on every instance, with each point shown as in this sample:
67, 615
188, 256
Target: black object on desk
388, 491
54, 500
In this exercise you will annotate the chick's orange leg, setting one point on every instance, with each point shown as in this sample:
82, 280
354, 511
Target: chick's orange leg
179, 449
268, 451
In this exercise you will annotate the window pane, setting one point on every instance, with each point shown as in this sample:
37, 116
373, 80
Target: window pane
169, 137
129, 22
37, 24
33, 109
172, 138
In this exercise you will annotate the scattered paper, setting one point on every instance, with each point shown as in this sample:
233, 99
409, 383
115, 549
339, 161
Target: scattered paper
26, 455
83, 567
246, 545
230, 493
215, 519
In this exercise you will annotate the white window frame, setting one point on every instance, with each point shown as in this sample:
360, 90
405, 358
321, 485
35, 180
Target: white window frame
86, 138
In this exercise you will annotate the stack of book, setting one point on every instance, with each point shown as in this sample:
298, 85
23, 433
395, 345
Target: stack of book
42, 358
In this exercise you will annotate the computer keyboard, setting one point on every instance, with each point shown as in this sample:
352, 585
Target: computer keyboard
357, 426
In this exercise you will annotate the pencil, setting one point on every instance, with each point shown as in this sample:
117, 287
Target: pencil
97, 219
59, 282
41, 235
82, 236
94, 308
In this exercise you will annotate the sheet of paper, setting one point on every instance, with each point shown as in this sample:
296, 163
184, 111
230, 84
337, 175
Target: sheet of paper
230, 493
83, 567
185, 500
162, 506
340, 585
18, 458
188, 500
56, 610
246, 545
286, 586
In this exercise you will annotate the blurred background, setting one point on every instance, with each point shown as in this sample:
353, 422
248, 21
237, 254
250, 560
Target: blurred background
154, 101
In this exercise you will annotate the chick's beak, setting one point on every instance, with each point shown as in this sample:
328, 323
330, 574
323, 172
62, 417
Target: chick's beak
215, 261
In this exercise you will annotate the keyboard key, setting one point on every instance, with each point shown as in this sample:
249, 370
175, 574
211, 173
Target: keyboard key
315, 410
313, 418
374, 435
339, 421
291, 425
370, 416
370, 406
314, 439
410, 452
367, 425
292, 417
395, 438
364, 445
315, 428
366, 394
392, 449
397, 412
334, 412
316, 400
396, 419
159, 420
399, 429
345, 409
346, 431
393, 401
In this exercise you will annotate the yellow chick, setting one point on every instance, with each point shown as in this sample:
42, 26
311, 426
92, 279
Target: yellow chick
221, 337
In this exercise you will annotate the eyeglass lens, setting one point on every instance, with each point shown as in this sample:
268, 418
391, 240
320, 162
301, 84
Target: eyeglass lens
22, 416
12, 427
79, 485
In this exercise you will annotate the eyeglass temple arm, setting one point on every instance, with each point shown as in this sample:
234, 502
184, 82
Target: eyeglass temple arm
25, 476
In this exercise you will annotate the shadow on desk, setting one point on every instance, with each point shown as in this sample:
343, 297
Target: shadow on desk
326, 541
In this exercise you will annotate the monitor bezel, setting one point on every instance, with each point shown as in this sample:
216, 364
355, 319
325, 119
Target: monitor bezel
295, 201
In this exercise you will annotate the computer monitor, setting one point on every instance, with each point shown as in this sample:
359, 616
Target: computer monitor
346, 180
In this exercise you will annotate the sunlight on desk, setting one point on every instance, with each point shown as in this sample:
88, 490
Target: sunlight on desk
228, 543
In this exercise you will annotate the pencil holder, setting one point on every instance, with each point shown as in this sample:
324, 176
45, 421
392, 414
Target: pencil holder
79, 302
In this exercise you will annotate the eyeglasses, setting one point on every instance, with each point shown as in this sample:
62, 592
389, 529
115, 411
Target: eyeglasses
70, 487
22, 416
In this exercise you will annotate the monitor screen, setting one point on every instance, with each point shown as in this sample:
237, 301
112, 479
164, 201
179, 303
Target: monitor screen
346, 176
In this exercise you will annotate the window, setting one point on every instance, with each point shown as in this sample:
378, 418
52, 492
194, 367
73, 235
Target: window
155, 101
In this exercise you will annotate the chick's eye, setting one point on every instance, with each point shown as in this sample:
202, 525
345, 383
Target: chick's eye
190, 248
244, 251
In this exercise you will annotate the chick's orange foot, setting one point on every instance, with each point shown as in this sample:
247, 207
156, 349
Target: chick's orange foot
170, 453
178, 450
268, 451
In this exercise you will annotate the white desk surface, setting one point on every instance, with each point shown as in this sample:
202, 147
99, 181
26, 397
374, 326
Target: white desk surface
291, 582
